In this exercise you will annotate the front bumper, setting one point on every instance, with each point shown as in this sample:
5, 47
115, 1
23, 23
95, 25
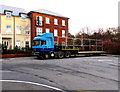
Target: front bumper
35, 53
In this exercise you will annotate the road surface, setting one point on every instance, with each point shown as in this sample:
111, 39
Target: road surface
76, 73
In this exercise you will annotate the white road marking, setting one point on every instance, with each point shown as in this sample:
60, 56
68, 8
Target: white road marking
4, 71
108, 62
38, 84
105, 61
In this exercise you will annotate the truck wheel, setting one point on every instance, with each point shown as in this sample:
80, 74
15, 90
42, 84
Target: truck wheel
60, 54
46, 56
67, 54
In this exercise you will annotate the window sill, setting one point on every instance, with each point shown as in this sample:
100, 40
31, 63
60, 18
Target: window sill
55, 24
18, 34
47, 23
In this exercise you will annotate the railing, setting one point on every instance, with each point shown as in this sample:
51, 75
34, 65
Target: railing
82, 44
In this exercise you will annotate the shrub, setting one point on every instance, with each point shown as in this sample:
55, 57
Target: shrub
16, 50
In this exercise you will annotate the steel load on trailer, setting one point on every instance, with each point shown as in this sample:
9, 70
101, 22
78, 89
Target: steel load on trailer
44, 47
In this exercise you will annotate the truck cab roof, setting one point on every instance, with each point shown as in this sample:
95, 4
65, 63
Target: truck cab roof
44, 36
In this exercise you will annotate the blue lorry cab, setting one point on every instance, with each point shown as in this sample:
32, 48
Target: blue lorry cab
44, 42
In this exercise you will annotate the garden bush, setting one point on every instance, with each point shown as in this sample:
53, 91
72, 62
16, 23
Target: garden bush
16, 50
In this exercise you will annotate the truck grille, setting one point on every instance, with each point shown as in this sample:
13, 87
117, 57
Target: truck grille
34, 49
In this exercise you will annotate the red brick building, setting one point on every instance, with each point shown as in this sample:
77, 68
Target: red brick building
44, 21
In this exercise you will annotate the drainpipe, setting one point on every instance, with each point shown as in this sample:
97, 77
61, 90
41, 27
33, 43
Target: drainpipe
31, 28
0, 23
0, 30
14, 30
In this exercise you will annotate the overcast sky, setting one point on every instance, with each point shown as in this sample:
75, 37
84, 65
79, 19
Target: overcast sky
82, 13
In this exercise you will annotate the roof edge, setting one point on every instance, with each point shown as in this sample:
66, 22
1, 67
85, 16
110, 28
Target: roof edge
48, 14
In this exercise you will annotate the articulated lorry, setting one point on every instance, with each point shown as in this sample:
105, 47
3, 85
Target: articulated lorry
44, 47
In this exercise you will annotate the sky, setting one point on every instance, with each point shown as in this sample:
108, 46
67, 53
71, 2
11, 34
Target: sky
82, 13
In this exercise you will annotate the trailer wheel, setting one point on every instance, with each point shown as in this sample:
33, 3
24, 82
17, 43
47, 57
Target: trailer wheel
60, 54
67, 54
46, 56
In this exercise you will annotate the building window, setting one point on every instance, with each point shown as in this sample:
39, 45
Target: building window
55, 21
47, 20
63, 33
28, 30
8, 28
55, 32
18, 30
23, 16
47, 30
39, 21
63, 43
38, 31
5, 43
56, 43
63, 22
27, 44
8, 14
18, 44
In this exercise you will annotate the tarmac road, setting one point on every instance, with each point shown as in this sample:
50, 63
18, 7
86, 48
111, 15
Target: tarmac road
76, 73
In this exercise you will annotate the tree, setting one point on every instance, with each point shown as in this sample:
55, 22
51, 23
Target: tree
110, 38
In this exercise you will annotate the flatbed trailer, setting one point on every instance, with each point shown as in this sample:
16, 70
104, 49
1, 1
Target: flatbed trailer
45, 48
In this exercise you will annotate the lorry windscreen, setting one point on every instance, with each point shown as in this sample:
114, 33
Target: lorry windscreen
36, 42
39, 42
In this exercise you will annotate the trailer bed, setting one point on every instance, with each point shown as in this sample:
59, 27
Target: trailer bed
92, 52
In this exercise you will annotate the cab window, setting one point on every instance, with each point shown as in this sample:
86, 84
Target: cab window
43, 42
36, 42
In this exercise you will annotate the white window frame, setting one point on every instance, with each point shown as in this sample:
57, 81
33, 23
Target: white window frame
55, 21
18, 30
63, 33
39, 20
38, 31
28, 30
55, 32
63, 43
47, 30
18, 43
8, 30
26, 44
6, 43
8, 14
63, 22
55, 42
47, 20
